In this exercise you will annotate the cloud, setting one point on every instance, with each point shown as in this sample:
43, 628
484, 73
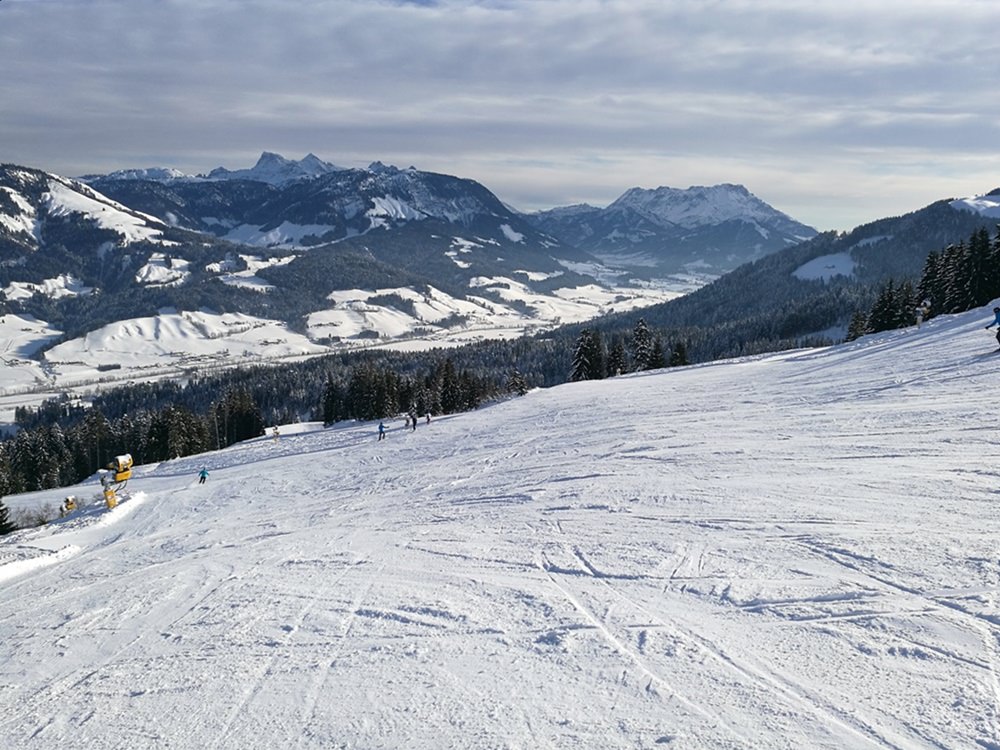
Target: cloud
812, 100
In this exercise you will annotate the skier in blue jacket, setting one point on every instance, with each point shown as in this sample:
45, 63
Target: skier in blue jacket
996, 322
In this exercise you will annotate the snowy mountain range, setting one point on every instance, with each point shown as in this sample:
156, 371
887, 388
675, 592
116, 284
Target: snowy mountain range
275, 169
588, 566
260, 210
276, 241
713, 228
271, 168
152, 274
154, 278
652, 233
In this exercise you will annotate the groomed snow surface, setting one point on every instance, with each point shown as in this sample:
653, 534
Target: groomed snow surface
792, 551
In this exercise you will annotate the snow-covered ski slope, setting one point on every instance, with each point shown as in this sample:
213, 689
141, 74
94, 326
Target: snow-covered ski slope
792, 551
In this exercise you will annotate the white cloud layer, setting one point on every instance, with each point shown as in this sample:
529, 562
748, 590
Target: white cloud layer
835, 112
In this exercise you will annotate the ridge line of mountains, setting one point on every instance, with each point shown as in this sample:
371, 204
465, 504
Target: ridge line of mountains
711, 228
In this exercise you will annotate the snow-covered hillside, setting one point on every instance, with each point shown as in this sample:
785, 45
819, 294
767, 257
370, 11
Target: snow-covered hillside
987, 205
173, 343
31, 199
791, 551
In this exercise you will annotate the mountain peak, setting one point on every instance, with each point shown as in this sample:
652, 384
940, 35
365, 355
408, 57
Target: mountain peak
698, 205
379, 168
275, 169
270, 158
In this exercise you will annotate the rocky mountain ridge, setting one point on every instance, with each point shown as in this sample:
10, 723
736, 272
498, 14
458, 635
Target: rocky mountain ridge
713, 229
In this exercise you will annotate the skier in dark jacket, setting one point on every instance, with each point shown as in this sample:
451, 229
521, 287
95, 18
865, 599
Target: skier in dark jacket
996, 322
381, 430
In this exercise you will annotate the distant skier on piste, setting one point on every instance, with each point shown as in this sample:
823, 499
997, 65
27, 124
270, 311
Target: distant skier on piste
996, 322
381, 430
202, 475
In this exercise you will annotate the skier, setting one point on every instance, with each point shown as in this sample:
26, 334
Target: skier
202, 475
413, 419
381, 430
996, 322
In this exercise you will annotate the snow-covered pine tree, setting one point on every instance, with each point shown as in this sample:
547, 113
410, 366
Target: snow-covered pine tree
883, 313
617, 359
580, 368
930, 286
516, 383
451, 393
906, 305
954, 289
657, 357
977, 270
858, 326
642, 345
588, 358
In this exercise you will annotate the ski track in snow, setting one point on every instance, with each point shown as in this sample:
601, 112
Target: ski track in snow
786, 551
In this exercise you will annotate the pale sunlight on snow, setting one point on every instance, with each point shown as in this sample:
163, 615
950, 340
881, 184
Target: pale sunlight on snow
797, 550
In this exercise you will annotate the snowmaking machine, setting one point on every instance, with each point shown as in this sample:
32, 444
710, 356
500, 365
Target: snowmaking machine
114, 478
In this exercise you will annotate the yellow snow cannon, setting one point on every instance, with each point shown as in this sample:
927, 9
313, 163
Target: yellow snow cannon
122, 468
114, 477
110, 498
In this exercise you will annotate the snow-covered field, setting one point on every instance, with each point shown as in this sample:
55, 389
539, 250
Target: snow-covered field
791, 551
173, 344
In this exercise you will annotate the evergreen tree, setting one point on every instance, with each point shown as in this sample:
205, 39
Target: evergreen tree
955, 287
858, 326
333, 402
516, 383
451, 395
885, 310
678, 355
977, 271
906, 305
236, 417
642, 345
657, 357
96, 442
617, 359
187, 434
580, 367
5, 472
992, 270
931, 284
588, 358
6, 525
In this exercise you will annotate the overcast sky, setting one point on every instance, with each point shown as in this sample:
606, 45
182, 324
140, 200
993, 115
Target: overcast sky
835, 112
